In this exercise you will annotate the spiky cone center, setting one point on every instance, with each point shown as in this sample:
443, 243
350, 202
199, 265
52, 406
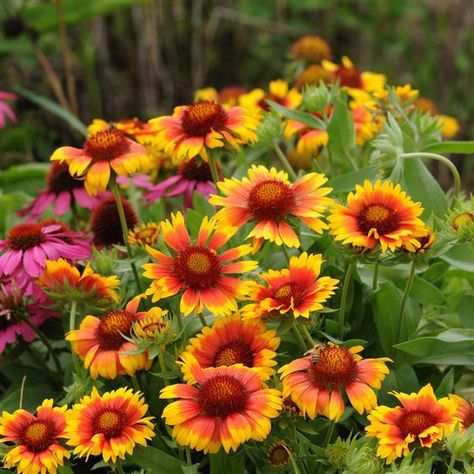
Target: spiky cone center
106, 145
223, 395
278, 455
194, 171
414, 422
288, 294
145, 235
112, 327
379, 217
37, 435
150, 328
271, 200
197, 267
110, 422
59, 179
25, 236
199, 119
235, 352
462, 220
336, 368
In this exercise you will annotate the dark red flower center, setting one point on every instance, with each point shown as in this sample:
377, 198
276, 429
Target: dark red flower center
37, 435
336, 367
235, 352
288, 293
25, 236
349, 77
113, 326
106, 145
59, 179
200, 118
197, 267
194, 171
379, 217
223, 395
415, 422
263, 104
110, 422
271, 200
278, 455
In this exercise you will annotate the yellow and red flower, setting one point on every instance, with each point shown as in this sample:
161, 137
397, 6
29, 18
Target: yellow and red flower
310, 140
110, 425
227, 407
227, 97
279, 92
465, 411
198, 269
232, 341
267, 198
62, 280
101, 344
37, 438
318, 388
297, 290
420, 418
144, 234
312, 76
195, 129
378, 214
103, 152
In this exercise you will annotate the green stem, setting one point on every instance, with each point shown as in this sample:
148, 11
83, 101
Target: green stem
445, 161
213, 167
345, 293
119, 468
285, 251
123, 224
292, 460
203, 321
189, 461
47, 344
284, 161
298, 336
161, 360
329, 433
306, 333
376, 275
136, 385
451, 464
72, 327
406, 293
177, 311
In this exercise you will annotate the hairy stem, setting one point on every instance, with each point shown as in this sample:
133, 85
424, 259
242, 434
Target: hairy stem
284, 161
345, 293
406, 293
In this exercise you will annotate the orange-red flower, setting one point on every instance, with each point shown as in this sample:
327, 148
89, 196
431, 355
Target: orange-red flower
378, 214
227, 407
420, 418
103, 152
232, 341
268, 199
465, 411
297, 290
318, 388
197, 128
101, 344
36, 437
310, 140
110, 425
278, 91
198, 268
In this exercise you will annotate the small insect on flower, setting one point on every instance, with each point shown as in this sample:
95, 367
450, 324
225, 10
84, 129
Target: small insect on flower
315, 352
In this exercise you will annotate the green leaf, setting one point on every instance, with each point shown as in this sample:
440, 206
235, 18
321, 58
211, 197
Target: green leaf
341, 131
426, 293
54, 108
155, 460
445, 387
466, 310
421, 186
451, 347
465, 148
194, 469
308, 119
460, 256
24, 176
347, 182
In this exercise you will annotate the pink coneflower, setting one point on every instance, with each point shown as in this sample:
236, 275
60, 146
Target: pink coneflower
28, 246
14, 310
192, 176
5, 109
62, 191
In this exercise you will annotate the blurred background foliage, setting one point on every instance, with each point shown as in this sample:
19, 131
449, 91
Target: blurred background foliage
125, 58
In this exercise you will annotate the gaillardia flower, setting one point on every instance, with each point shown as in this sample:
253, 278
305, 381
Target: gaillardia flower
309, 140
420, 418
144, 234
198, 269
101, 344
63, 282
227, 407
192, 176
195, 129
465, 411
267, 198
62, 191
296, 291
103, 152
28, 246
378, 214
278, 455
110, 425
279, 92
233, 341
311, 48
37, 438
317, 388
